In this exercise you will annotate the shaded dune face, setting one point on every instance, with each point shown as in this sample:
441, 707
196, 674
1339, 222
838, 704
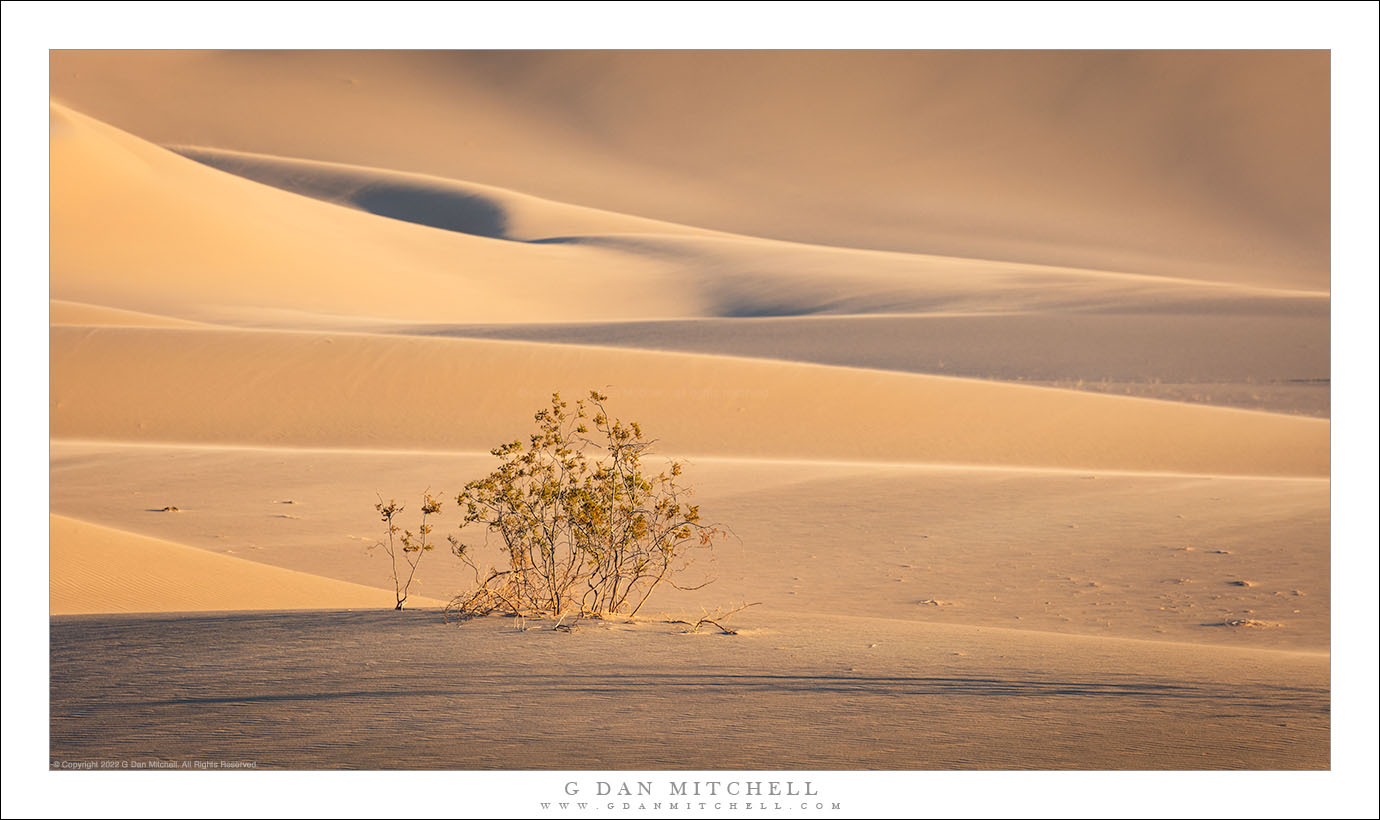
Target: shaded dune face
414, 199
436, 209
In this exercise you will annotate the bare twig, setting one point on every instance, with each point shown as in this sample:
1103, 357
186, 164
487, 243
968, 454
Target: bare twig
714, 619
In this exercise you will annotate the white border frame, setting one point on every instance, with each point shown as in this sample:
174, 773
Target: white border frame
1348, 29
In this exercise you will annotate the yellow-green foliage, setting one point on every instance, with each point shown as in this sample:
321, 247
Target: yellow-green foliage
589, 535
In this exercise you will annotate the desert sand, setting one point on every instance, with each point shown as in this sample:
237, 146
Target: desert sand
1020, 420
105, 570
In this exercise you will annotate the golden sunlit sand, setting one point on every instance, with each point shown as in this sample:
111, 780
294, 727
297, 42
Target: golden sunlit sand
97, 569
1010, 377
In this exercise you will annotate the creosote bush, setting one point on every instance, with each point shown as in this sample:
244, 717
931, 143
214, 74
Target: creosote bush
584, 528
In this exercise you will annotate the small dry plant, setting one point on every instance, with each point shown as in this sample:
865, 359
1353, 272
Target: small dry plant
404, 544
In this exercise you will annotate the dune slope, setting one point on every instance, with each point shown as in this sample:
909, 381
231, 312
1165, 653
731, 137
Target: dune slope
424, 249
98, 569
1276, 361
211, 245
360, 390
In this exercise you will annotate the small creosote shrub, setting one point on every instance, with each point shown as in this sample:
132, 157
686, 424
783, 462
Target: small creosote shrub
584, 528
404, 544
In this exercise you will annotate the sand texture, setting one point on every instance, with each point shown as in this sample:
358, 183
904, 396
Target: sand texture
306, 690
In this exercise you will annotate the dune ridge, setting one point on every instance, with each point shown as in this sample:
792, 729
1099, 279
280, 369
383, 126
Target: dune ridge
1206, 164
218, 245
1273, 361
77, 313
452, 205
228, 247
272, 387
498, 213
492, 212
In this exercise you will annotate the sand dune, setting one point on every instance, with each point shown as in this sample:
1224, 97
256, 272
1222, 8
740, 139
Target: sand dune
746, 276
1276, 361
752, 276
1202, 164
216, 245
357, 390
1273, 362
1088, 553
227, 249
97, 569
463, 207
77, 313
